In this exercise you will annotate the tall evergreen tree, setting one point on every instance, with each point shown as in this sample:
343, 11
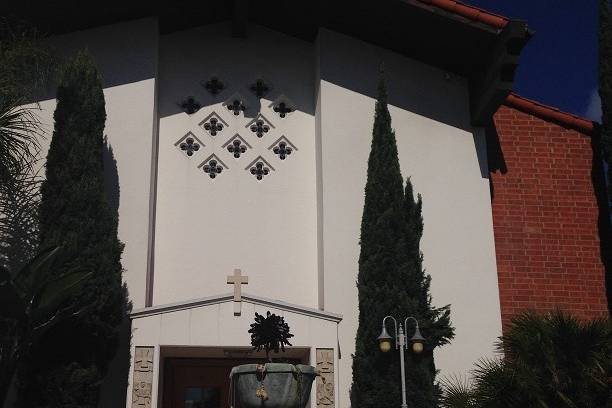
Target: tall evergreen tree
67, 368
605, 85
391, 281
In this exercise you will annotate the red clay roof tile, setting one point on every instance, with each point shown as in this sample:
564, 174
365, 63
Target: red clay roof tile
550, 114
469, 12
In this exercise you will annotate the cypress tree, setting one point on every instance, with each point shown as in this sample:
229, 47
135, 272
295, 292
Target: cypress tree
68, 366
391, 281
605, 85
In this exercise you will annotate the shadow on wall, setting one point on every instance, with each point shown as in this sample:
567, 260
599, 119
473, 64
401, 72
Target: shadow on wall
111, 177
604, 223
187, 62
411, 85
495, 154
114, 386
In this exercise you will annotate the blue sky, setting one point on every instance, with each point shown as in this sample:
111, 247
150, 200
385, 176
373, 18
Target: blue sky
558, 66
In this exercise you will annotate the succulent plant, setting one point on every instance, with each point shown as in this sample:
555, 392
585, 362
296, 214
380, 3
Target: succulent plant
270, 333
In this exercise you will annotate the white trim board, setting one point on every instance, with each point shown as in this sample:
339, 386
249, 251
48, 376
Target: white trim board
229, 297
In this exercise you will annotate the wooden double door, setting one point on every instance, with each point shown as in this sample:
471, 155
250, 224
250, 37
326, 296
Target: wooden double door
198, 382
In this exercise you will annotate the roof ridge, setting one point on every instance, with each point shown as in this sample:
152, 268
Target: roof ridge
550, 113
470, 12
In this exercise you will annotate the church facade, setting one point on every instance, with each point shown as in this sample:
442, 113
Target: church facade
241, 153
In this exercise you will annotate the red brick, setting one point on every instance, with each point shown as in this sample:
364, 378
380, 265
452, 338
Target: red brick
545, 219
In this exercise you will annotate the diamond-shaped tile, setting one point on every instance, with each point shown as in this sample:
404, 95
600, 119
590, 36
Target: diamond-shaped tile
260, 125
236, 145
189, 144
213, 124
213, 166
282, 147
236, 104
282, 106
259, 168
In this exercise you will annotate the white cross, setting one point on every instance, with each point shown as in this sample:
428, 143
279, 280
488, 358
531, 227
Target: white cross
237, 280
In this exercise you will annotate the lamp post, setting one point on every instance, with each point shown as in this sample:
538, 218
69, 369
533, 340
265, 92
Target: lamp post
416, 341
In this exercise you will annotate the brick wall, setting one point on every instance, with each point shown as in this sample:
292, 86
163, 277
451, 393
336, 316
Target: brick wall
545, 217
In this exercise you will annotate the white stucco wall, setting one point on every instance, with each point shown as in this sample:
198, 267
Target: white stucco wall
442, 155
205, 228
126, 55
296, 232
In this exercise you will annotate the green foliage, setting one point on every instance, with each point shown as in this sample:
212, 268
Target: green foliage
74, 213
552, 360
26, 66
270, 333
605, 84
33, 300
391, 280
19, 133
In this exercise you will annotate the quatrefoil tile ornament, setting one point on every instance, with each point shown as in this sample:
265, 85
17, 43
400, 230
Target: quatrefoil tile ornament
214, 85
190, 105
189, 144
212, 166
282, 148
260, 88
282, 106
259, 168
236, 104
237, 146
213, 124
260, 125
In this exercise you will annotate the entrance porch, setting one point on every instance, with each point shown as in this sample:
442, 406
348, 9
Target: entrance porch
182, 353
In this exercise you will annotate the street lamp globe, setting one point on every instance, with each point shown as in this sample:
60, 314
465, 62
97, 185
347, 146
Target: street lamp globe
417, 341
384, 340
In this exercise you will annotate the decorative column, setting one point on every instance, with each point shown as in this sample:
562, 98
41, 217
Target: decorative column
142, 380
325, 382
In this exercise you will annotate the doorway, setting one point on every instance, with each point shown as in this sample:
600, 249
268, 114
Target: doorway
202, 382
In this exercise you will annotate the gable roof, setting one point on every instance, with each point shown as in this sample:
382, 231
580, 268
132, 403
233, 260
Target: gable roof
550, 114
470, 13
229, 297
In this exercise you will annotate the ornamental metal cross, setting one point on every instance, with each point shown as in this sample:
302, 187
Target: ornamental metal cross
237, 280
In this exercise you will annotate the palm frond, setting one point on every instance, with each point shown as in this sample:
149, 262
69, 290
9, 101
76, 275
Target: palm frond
20, 131
457, 393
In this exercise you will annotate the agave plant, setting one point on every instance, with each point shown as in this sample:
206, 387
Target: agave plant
550, 361
270, 333
32, 301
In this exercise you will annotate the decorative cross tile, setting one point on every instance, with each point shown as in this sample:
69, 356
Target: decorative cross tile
282, 147
260, 125
259, 88
236, 106
282, 150
259, 128
237, 148
259, 168
190, 105
213, 124
189, 144
282, 109
214, 85
236, 145
212, 166
283, 106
